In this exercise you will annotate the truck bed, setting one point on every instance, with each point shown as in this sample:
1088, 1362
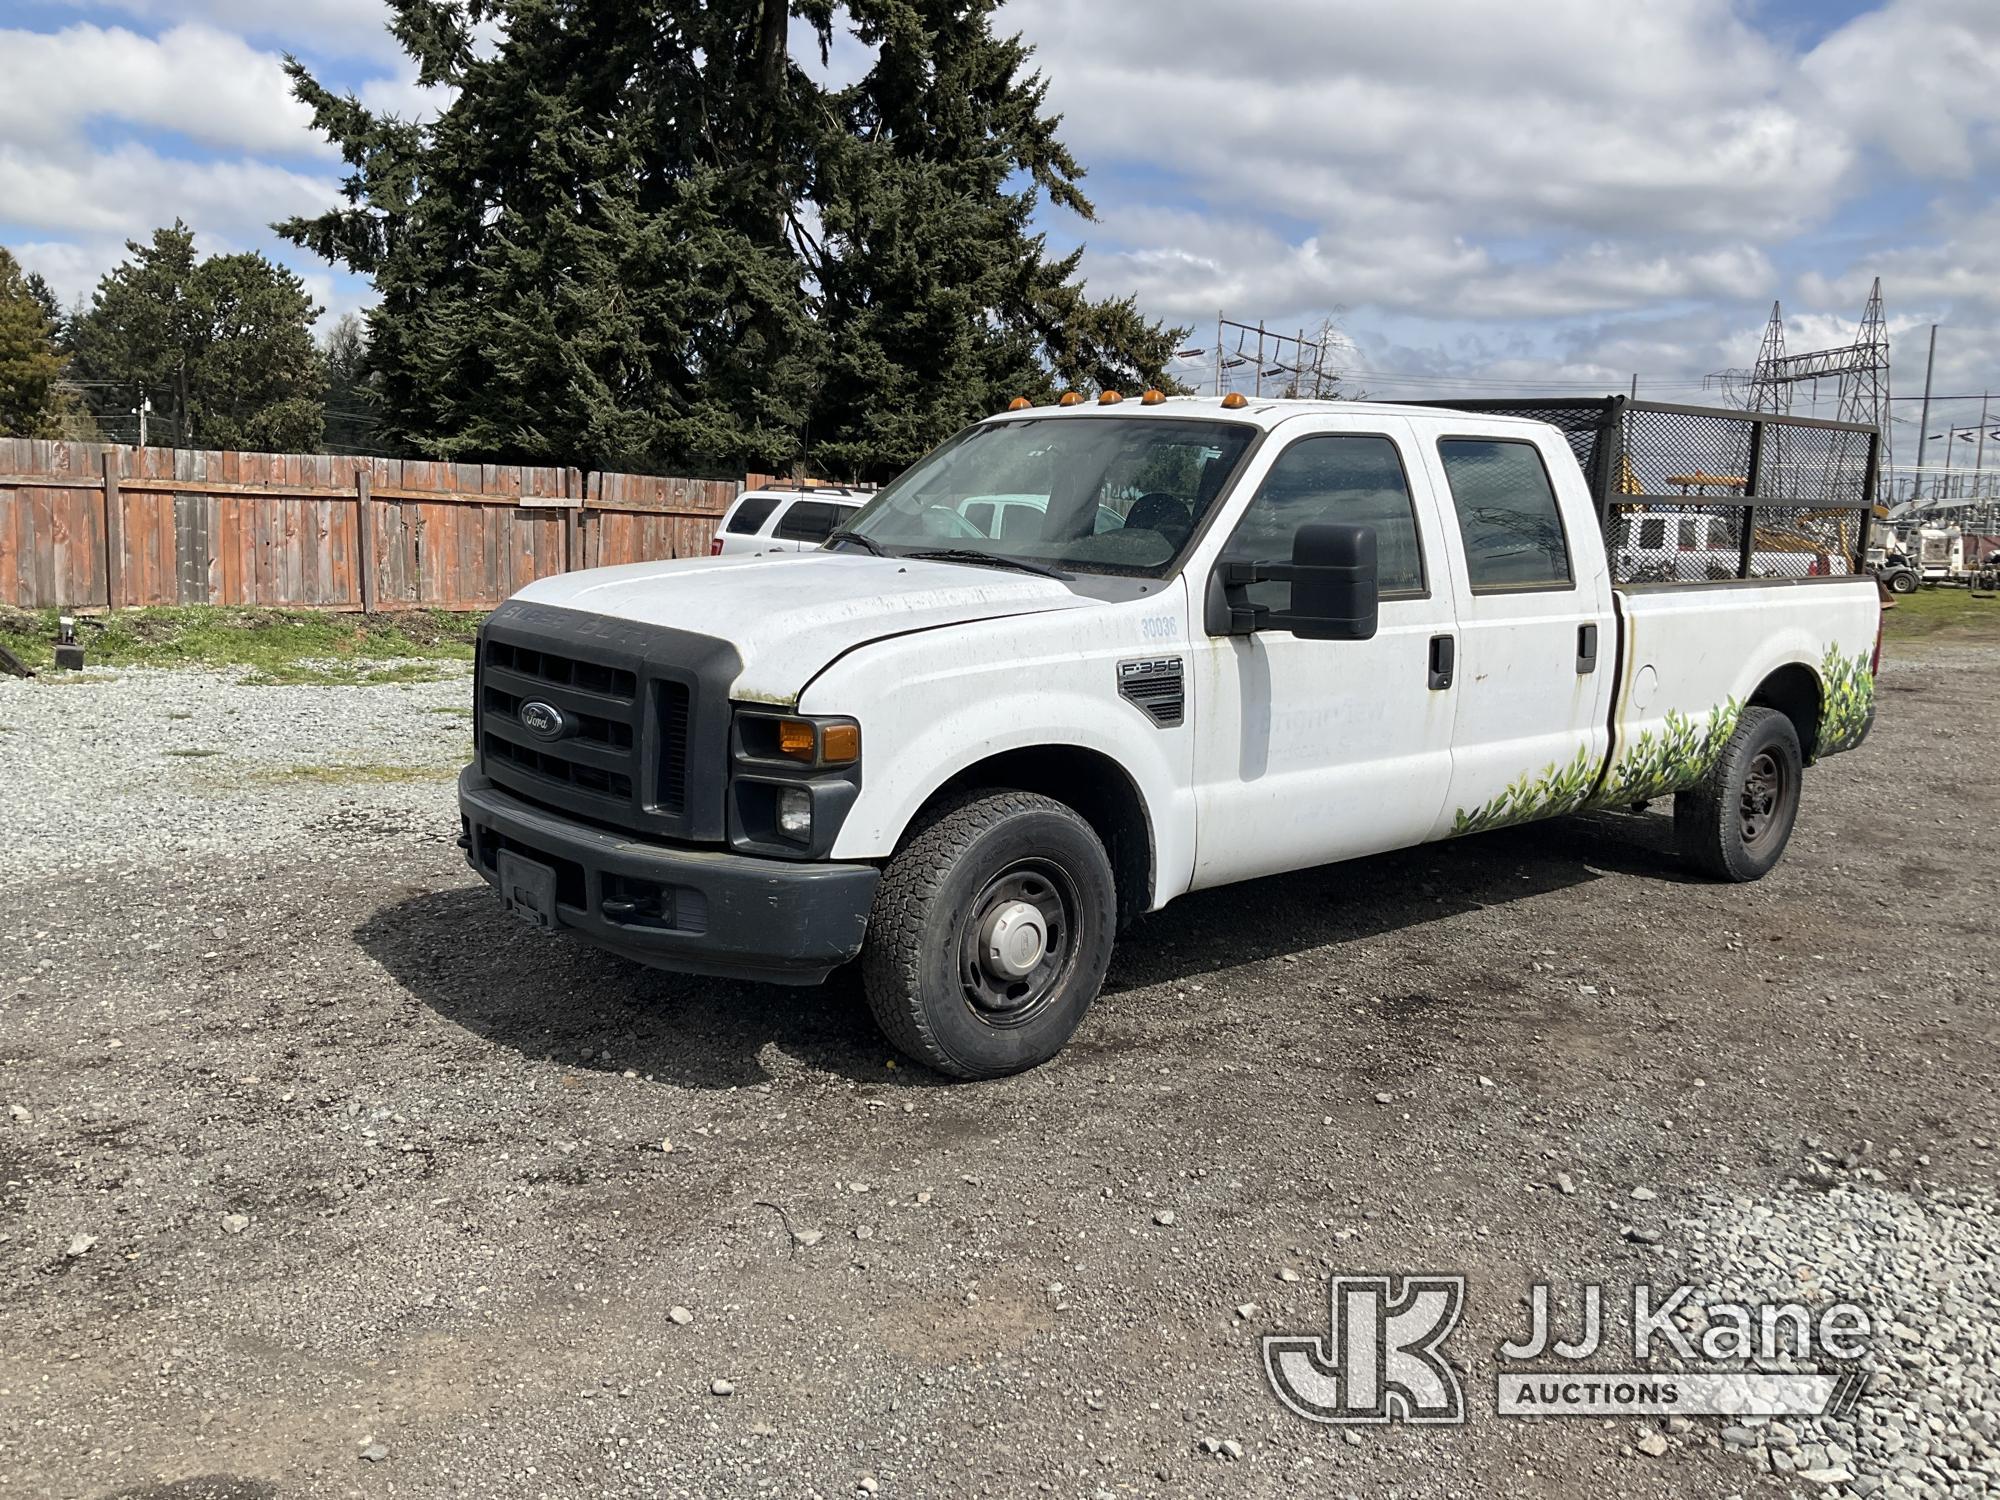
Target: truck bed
1691, 656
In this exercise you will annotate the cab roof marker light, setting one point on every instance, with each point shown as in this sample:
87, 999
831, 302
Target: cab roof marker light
1109, 398
1070, 398
1235, 401
1019, 403
1152, 398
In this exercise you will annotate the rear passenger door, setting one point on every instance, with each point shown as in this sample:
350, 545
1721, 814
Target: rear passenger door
1534, 661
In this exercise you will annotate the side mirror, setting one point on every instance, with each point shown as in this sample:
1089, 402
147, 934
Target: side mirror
1334, 587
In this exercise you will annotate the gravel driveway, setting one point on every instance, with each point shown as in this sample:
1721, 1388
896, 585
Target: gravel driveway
321, 1177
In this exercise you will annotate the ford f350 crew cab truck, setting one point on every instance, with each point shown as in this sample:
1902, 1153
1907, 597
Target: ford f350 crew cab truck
1214, 640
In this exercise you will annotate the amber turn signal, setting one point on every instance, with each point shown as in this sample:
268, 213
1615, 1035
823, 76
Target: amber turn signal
1235, 401
795, 738
1070, 398
840, 744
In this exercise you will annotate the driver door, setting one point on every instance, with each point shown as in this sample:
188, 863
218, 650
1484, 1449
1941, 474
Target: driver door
1308, 752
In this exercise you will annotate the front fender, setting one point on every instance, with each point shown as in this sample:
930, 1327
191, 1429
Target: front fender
928, 715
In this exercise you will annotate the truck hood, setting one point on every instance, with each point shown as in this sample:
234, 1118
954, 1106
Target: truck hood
789, 615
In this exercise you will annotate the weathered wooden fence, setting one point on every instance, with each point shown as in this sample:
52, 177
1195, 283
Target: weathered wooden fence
89, 525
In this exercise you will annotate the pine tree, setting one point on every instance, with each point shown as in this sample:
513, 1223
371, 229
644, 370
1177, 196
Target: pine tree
353, 418
640, 236
222, 347
31, 403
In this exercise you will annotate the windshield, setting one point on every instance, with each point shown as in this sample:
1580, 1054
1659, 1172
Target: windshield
1092, 494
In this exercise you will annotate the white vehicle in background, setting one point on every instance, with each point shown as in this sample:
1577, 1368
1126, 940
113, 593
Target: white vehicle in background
762, 522
1941, 554
1084, 659
1698, 547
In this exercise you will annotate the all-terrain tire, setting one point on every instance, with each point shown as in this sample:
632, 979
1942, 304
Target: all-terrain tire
990, 847
1735, 825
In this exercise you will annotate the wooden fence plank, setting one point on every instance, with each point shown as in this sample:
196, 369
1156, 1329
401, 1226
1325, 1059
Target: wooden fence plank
364, 525
114, 531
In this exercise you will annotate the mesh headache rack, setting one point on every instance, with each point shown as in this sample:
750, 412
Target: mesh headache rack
1690, 494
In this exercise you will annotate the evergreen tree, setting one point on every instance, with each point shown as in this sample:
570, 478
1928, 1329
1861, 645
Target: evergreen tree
640, 236
222, 347
31, 403
353, 420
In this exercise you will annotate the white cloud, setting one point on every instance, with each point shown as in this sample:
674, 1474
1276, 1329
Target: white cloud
129, 190
204, 84
1920, 77
342, 28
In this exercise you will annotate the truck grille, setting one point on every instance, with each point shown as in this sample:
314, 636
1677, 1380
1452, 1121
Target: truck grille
620, 757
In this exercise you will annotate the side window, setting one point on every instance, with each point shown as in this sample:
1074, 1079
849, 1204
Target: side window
751, 514
1690, 534
809, 521
1653, 531
1507, 515
1336, 477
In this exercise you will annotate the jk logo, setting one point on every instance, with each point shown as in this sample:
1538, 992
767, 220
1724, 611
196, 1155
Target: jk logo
1380, 1360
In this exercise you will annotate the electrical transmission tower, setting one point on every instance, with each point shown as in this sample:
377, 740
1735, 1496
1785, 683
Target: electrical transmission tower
1860, 371
1765, 393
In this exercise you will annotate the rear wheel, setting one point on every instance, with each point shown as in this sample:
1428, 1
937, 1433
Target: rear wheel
990, 935
1902, 581
1735, 825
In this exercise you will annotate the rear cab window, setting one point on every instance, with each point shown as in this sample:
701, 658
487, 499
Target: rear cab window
1507, 515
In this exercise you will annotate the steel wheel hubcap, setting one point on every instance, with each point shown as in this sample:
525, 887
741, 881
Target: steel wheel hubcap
1764, 793
1012, 940
1018, 942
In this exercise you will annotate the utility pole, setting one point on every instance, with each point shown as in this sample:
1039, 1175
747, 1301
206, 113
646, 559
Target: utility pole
1979, 453
144, 408
1635, 385
1924, 421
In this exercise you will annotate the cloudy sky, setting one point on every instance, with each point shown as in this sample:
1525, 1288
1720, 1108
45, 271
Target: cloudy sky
1489, 194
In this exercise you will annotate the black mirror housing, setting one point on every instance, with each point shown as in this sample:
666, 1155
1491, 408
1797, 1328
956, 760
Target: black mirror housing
1334, 583
1334, 587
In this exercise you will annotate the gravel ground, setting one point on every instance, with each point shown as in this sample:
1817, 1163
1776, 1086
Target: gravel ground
320, 1177
138, 766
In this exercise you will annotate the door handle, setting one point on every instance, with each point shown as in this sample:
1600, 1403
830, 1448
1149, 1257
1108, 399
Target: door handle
1586, 650
1444, 654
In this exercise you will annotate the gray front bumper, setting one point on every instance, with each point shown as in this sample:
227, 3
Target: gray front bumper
700, 911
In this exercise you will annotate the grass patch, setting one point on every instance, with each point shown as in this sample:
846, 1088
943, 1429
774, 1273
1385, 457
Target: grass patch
281, 646
454, 709
352, 773
1942, 614
190, 754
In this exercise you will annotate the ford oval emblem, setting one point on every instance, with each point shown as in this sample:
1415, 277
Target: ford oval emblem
543, 720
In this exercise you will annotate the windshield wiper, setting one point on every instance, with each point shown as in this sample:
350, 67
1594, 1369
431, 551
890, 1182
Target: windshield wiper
865, 543
989, 559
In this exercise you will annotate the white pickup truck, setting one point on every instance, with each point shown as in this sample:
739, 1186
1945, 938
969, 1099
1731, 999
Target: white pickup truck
1214, 640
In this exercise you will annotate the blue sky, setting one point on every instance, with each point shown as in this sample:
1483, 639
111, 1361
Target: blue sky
1540, 194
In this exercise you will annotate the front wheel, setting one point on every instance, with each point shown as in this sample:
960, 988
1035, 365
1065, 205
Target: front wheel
990, 935
1902, 583
1735, 825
